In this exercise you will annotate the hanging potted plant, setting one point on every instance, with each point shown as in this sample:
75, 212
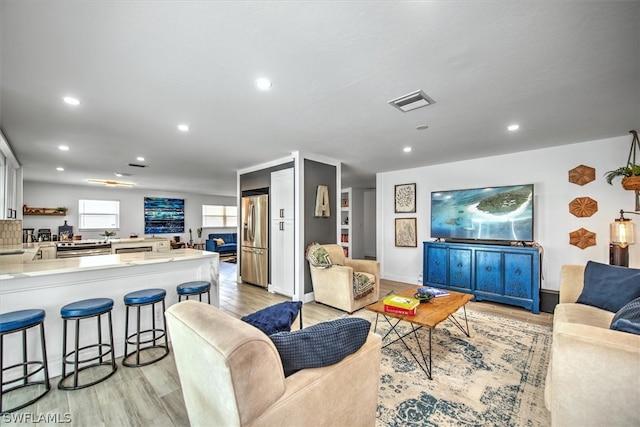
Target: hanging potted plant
631, 172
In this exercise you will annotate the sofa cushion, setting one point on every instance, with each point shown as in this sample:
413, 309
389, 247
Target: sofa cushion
609, 287
320, 345
275, 318
627, 319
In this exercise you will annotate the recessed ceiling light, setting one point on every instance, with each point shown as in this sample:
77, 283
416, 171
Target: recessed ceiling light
263, 84
118, 174
63, 147
422, 127
140, 159
183, 128
71, 100
513, 127
59, 169
407, 149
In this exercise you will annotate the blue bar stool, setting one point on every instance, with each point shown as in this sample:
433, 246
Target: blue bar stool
139, 299
77, 311
21, 321
198, 288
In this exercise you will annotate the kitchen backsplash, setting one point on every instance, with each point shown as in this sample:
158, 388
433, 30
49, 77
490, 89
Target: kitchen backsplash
10, 232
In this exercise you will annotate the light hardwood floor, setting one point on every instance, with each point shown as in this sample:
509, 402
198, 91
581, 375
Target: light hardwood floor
151, 395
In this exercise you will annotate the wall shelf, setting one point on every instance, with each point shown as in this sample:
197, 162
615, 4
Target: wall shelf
26, 210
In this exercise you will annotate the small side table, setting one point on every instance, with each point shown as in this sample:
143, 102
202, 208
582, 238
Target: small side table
198, 246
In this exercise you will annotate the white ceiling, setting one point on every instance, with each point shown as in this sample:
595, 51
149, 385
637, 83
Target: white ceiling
567, 72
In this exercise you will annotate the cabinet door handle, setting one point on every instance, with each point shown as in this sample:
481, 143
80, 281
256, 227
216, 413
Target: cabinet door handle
437, 262
459, 264
517, 272
488, 268
282, 225
281, 213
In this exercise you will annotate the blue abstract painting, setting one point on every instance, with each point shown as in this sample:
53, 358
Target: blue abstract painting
163, 215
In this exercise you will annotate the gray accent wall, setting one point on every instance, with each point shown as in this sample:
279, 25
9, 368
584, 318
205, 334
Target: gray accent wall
321, 230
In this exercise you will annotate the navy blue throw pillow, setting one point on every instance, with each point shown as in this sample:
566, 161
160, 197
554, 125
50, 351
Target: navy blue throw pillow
627, 319
320, 345
609, 287
275, 318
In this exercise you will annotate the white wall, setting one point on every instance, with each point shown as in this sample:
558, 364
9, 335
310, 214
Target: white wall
370, 223
39, 194
548, 170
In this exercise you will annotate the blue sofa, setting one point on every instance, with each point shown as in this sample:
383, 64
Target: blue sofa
230, 246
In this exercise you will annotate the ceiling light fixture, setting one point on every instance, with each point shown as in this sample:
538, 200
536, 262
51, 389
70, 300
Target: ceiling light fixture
513, 127
407, 149
412, 101
71, 100
110, 183
63, 147
263, 84
140, 159
183, 128
118, 174
59, 169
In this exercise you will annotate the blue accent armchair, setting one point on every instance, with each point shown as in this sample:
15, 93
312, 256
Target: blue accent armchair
229, 247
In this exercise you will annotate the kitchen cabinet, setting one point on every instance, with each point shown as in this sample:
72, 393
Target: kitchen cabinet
47, 252
505, 274
282, 231
10, 181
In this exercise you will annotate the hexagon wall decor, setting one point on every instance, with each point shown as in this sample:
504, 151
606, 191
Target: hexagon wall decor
582, 238
582, 175
583, 207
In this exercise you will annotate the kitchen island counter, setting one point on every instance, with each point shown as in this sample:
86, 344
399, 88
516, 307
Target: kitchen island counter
68, 265
51, 284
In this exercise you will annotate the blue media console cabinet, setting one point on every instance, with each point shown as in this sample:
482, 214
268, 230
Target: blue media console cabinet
505, 274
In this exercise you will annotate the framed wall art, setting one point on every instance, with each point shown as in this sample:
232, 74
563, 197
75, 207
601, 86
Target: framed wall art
405, 198
406, 232
163, 215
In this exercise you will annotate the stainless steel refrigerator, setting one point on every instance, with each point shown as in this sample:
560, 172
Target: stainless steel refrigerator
254, 251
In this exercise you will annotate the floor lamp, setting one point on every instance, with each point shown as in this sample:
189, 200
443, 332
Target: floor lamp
622, 234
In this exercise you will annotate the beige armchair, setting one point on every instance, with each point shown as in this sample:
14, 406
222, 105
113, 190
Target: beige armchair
334, 286
231, 375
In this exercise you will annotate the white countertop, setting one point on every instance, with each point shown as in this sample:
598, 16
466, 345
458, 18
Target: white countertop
23, 247
67, 265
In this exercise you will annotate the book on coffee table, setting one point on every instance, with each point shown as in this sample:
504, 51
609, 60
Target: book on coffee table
401, 305
436, 292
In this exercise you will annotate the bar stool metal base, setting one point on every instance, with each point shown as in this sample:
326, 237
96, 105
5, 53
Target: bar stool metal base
24, 380
136, 339
74, 358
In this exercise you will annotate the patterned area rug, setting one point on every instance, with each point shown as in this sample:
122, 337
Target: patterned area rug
496, 377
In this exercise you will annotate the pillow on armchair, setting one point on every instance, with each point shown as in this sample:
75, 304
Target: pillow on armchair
318, 256
322, 344
275, 318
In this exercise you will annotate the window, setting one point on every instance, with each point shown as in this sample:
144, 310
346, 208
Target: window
99, 214
219, 216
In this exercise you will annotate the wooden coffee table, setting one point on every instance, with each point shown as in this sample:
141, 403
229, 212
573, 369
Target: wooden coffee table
429, 315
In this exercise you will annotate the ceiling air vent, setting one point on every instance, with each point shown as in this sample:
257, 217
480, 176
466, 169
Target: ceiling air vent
135, 165
412, 101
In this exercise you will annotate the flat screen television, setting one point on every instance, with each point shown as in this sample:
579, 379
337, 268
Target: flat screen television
492, 214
